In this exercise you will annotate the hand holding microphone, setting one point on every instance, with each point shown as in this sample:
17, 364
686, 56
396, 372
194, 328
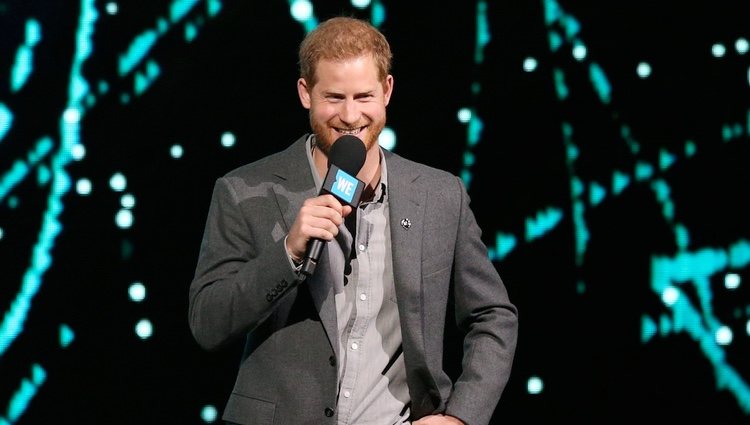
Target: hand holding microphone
320, 217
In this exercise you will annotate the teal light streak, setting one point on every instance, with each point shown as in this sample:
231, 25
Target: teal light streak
20, 168
213, 7
504, 244
6, 120
600, 82
474, 129
20, 400
620, 181
377, 13
66, 336
682, 236
483, 35
690, 148
475, 125
581, 231
14, 318
143, 81
543, 222
180, 8
643, 171
699, 323
560, 87
596, 193
552, 12
191, 31
666, 159
24, 63
555, 41
138, 49
648, 329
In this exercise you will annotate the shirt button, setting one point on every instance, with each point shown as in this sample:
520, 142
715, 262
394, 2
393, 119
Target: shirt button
329, 412
332, 361
347, 394
362, 297
361, 247
355, 345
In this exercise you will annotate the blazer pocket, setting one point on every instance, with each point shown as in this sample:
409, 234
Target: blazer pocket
241, 408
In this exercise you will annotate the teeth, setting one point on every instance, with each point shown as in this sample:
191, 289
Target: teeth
349, 132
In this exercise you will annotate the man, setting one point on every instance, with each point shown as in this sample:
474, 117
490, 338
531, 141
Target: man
360, 340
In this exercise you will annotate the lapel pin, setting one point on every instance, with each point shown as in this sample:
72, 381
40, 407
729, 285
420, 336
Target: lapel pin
405, 223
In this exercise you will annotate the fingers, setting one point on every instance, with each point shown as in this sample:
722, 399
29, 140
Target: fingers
319, 217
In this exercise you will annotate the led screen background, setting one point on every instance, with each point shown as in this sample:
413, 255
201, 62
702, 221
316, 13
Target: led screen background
604, 146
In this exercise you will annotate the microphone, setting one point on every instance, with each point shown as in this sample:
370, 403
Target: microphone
345, 159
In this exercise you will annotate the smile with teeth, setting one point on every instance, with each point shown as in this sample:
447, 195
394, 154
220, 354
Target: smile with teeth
351, 132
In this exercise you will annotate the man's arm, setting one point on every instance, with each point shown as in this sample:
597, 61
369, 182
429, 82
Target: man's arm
484, 312
238, 279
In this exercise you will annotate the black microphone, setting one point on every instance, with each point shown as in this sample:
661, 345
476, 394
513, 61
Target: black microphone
345, 159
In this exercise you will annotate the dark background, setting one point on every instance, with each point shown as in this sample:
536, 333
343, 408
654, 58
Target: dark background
582, 312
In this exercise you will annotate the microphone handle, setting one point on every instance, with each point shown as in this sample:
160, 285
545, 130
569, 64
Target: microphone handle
311, 257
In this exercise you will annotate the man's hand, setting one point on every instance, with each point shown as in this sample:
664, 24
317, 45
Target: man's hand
438, 420
319, 217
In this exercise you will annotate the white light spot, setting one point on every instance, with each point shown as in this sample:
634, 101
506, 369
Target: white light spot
1, 232
464, 115
643, 70
137, 291
579, 52
144, 329
535, 385
732, 281
741, 45
78, 151
387, 139
723, 335
176, 151
112, 8
118, 182
124, 219
209, 414
718, 50
127, 201
228, 140
301, 10
72, 115
529, 64
83, 186
360, 4
670, 295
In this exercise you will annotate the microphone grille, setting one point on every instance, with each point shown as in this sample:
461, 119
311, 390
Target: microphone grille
348, 153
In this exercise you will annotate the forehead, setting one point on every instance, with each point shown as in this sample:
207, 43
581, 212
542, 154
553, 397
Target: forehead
347, 73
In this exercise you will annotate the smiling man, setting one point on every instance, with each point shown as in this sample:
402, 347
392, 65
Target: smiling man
360, 340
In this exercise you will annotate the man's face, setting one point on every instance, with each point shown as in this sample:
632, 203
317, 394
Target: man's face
348, 98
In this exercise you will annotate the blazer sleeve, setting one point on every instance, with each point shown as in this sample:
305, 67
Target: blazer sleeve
488, 318
242, 271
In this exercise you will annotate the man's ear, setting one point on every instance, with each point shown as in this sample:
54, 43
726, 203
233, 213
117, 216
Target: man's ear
303, 92
388, 89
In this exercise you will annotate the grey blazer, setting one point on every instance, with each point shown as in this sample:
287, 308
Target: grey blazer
244, 287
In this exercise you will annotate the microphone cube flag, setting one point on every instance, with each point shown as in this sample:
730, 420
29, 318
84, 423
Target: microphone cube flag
345, 187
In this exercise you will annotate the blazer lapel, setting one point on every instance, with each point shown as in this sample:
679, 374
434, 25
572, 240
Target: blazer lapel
406, 200
295, 184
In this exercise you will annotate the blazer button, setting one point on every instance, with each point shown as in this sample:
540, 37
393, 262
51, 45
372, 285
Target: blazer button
329, 412
332, 361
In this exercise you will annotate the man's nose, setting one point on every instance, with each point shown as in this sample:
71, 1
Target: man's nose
350, 112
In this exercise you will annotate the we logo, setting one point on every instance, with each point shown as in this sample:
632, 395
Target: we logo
345, 186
